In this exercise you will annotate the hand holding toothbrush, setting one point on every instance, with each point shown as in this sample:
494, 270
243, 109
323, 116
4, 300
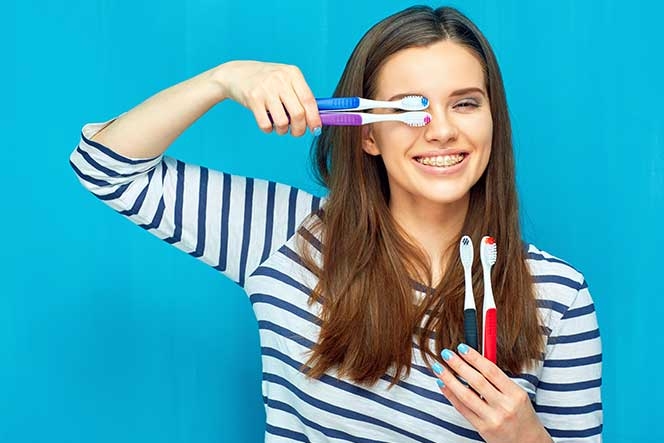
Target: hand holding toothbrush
497, 407
273, 88
280, 98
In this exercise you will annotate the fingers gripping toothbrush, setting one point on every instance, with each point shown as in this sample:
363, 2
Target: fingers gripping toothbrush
469, 311
488, 254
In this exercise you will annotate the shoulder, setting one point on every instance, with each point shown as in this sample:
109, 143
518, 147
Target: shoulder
547, 267
558, 284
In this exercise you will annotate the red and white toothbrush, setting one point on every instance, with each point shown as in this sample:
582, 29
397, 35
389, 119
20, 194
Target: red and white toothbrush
488, 254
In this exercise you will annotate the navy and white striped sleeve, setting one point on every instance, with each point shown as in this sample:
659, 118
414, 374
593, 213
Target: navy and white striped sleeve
568, 399
232, 223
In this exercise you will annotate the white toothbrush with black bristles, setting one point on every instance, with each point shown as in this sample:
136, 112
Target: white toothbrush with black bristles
469, 311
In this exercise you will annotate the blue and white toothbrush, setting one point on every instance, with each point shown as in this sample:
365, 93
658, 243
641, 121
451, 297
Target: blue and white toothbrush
339, 111
342, 104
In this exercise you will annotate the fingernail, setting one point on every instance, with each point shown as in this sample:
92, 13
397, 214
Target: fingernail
463, 348
440, 383
317, 131
437, 368
446, 354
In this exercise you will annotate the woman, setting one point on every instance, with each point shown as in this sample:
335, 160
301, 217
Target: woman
359, 297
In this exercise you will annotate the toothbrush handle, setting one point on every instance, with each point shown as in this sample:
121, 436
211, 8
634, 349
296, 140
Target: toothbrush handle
490, 335
337, 103
341, 119
470, 327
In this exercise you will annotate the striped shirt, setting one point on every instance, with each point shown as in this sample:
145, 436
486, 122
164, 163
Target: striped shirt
245, 228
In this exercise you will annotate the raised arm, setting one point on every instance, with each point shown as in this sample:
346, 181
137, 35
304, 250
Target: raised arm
147, 130
232, 223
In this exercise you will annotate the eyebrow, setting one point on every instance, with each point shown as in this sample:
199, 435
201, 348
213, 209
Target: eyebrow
467, 91
453, 94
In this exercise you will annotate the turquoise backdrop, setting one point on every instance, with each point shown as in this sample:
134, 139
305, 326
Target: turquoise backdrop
109, 335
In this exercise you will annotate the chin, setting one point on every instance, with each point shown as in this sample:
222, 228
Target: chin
446, 194
447, 198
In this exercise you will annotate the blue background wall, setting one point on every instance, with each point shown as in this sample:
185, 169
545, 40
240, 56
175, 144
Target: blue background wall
107, 335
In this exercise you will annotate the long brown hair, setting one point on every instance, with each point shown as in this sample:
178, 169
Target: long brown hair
371, 321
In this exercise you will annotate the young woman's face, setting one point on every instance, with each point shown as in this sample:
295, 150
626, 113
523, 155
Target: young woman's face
440, 162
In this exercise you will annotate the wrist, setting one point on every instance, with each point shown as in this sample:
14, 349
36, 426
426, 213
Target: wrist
542, 436
218, 78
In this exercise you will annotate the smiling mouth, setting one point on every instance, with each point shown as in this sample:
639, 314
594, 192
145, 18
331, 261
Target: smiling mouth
441, 161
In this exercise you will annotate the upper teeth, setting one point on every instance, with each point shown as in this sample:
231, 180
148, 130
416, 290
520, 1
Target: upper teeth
441, 160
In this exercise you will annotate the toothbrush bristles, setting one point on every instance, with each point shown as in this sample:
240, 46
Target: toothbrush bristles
491, 249
418, 120
414, 103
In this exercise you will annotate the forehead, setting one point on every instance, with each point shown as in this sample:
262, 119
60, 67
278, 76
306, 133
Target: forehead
440, 69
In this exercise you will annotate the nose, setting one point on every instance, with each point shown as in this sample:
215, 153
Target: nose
442, 127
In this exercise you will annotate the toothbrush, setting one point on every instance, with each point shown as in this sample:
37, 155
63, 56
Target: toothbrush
416, 118
469, 312
488, 254
409, 103
334, 111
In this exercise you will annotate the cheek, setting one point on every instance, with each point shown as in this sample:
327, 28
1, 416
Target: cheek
480, 132
483, 127
488, 139
395, 137
489, 133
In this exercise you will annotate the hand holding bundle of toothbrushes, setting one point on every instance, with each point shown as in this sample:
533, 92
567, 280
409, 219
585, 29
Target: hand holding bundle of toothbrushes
496, 406
281, 100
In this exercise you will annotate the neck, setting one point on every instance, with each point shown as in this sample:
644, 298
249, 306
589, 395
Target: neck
433, 226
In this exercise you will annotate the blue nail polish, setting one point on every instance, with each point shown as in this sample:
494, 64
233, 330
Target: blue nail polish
437, 368
317, 131
440, 383
463, 349
446, 354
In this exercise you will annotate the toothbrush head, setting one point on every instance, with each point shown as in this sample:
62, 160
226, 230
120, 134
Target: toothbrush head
488, 251
466, 251
414, 119
414, 103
